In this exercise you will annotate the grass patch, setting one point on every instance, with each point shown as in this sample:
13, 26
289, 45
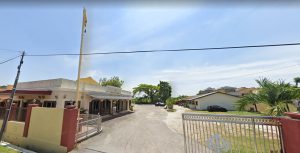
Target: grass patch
7, 150
239, 138
171, 110
244, 113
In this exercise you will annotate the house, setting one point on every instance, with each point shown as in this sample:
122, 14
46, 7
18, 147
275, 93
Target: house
59, 93
201, 102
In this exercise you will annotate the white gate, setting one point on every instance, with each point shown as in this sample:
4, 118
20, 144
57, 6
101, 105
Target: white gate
231, 133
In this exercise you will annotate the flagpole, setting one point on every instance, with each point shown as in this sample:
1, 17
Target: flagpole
80, 60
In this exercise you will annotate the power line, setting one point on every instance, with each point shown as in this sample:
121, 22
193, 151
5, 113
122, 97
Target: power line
169, 50
5, 61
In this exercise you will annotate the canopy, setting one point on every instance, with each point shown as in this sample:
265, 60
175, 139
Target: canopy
105, 95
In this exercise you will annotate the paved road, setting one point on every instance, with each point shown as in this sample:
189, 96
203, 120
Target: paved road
141, 132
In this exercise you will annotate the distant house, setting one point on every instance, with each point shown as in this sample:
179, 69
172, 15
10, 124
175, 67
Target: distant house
224, 100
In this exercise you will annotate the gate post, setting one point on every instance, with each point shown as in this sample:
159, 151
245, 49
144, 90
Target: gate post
291, 132
69, 127
27, 119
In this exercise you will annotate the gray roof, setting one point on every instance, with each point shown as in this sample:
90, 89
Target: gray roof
208, 94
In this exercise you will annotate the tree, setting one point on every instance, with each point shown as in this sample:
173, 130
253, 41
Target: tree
149, 90
165, 91
277, 95
227, 89
297, 81
113, 81
253, 99
205, 91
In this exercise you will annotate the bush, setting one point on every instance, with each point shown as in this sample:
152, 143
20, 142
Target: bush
216, 108
171, 102
131, 107
83, 111
141, 100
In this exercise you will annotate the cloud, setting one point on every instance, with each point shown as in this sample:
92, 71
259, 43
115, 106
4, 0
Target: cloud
188, 80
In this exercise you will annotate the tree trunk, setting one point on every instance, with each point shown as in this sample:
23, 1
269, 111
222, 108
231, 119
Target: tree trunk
287, 106
255, 107
151, 99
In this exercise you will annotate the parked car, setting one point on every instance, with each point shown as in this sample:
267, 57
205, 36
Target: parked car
159, 104
216, 108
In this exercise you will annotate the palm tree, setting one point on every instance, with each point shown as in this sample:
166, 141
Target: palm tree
297, 81
253, 99
277, 95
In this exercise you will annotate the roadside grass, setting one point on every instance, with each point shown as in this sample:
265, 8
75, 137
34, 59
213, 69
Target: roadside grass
8, 150
240, 138
244, 113
246, 144
171, 110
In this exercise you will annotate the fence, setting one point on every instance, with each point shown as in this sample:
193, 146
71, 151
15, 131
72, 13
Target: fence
88, 125
16, 114
231, 133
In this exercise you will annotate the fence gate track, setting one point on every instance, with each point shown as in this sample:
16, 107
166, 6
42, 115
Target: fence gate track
211, 133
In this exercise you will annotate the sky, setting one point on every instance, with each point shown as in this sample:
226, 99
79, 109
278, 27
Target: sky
57, 29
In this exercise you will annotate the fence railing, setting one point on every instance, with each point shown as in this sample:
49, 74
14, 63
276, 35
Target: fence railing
16, 114
88, 125
231, 133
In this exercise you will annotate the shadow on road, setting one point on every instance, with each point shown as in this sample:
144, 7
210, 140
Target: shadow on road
115, 116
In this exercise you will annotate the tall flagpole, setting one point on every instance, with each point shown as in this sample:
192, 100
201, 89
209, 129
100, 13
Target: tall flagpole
84, 22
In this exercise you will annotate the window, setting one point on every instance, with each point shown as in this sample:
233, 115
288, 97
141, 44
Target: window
67, 103
51, 104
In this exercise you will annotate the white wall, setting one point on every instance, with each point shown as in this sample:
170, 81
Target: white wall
192, 106
219, 99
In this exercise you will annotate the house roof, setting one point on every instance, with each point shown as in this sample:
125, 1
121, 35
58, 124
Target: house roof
208, 94
89, 80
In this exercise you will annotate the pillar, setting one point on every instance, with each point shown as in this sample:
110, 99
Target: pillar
13, 112
291, 132
111, 106
69, 127
128, 104
27, 119
20, 110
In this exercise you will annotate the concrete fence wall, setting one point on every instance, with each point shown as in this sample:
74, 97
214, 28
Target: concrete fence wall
45, 130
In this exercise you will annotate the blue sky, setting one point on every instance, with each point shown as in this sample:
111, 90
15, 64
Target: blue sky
54, 29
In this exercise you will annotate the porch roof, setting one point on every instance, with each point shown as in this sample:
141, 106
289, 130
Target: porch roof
105, 95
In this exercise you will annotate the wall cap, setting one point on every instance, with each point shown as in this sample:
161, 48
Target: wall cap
293, 115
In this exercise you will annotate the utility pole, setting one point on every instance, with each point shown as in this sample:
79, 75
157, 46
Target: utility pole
11, 98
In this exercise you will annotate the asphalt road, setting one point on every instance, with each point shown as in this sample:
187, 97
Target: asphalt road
141, 132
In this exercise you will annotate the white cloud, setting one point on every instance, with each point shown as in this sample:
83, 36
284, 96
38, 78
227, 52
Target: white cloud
188, 80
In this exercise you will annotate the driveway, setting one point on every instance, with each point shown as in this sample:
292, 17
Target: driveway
148, 130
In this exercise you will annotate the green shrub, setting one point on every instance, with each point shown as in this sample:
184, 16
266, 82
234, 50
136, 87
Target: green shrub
131, 107
170, 102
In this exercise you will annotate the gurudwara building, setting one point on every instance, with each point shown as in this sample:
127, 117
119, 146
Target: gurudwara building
59, 93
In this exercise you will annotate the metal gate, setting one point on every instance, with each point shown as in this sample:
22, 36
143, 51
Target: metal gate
231, 133
88, 125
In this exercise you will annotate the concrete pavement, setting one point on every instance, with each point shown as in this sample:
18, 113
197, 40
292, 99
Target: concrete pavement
144, 131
